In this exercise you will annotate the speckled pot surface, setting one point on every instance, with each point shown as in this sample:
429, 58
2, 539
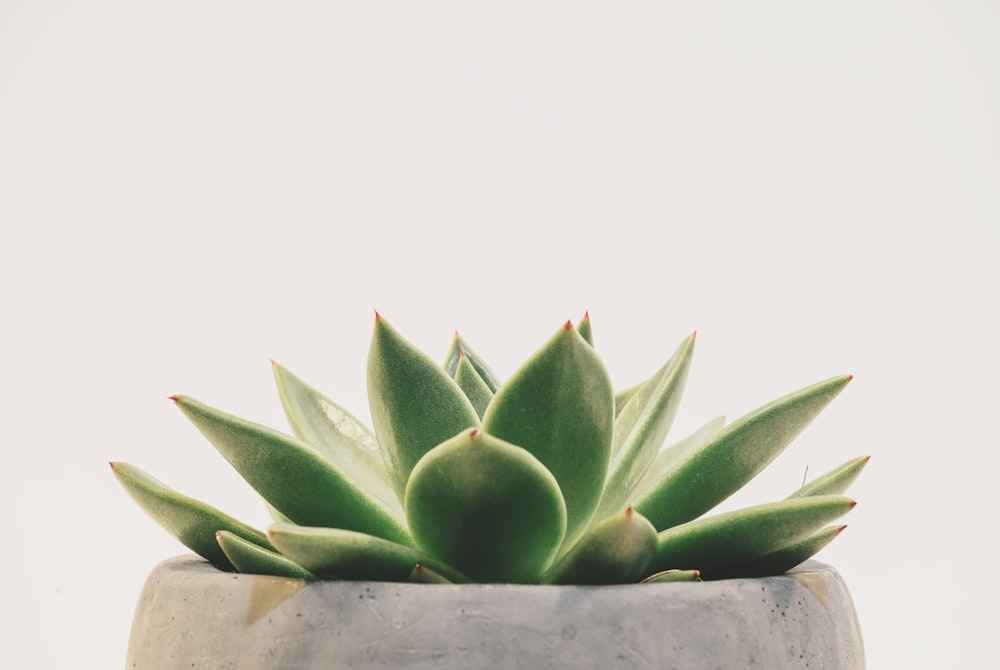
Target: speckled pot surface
192, 616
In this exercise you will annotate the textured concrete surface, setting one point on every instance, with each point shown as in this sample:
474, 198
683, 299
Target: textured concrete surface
192, 616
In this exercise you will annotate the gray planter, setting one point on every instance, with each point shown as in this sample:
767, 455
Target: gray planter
192, 616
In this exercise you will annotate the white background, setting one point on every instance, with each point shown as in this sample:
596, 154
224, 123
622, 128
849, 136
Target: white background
190, 189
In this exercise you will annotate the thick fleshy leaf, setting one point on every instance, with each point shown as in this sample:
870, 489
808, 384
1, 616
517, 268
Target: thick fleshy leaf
459, 347
676, 452
337, 435
642, 427
560, 407
334, 553
836, 481
781, 560
252, 559
475, 389
673, 576
415, 404
616, 551
293, 477
191, 521
710, 474
714, 542
486, 507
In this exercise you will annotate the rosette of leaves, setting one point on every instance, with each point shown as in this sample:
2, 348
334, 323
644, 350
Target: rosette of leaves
549, 477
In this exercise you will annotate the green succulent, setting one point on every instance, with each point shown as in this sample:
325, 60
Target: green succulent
550, 477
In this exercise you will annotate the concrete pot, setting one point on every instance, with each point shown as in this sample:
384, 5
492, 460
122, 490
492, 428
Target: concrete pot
192, 616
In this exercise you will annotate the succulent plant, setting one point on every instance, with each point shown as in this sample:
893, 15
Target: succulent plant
550, 477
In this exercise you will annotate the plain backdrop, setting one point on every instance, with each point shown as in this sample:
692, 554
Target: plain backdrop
190, 189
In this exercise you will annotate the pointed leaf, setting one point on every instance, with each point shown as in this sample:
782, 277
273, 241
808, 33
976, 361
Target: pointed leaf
641, 428
191, 521
560, 407
712, 473
585, 329
486, 507
615, 551
670, 456
781, 560
334, 553
458, 347
736, 537
836, 481
415, 404
291, 476
252, 559
341, 438
475, 389
421, 574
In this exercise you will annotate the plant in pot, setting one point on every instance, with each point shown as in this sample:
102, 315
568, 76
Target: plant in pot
533, 506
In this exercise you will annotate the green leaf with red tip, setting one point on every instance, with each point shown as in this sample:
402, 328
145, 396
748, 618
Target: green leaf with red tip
560, 407
715, 542
191, 521
459, 347
293, 477
337, 435
710, 474
252, 559
415, 404
342, 554
668, 576
475, 389
616, 551
780, 560
486, 507
836, 481
641, 428
421, 574
585, 329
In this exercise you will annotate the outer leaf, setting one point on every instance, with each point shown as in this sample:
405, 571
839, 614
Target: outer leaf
291, 476
475, 389
781, 560
415, 405
341, 438
255, 560
486, 507
343, 554
642, 426
458, 347
560, 407
836, 481
711, 474
615, 551
716, 542
191, 521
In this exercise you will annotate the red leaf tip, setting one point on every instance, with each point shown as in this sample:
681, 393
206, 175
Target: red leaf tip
586, 315
173, 397
568, 325
629, 512
840, 529
378, 317
461, 354
112, 464
473, 432
853, 504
